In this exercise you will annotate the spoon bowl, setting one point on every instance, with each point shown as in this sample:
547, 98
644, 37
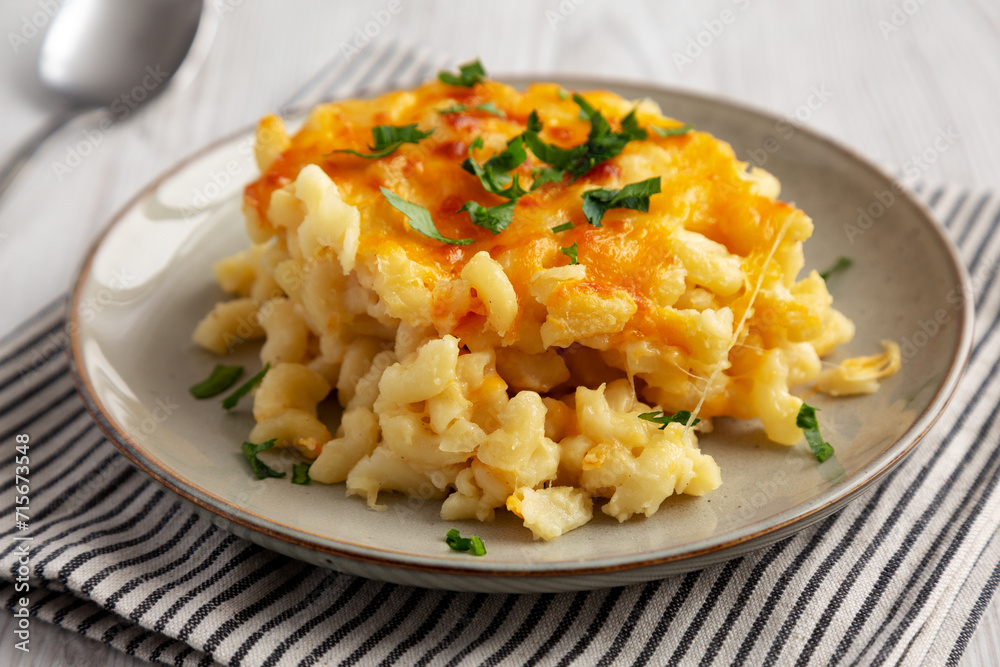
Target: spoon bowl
106, 53
97, 51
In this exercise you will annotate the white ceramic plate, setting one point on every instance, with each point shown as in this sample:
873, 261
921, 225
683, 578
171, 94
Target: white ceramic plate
147, 283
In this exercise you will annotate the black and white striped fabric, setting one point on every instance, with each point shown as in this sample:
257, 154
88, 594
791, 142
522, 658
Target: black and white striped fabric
899, 577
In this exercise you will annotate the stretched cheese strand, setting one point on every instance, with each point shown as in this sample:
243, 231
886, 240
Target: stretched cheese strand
739, 329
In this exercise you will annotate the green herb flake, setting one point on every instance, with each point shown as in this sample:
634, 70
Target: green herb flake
563, 94
587, 110
468, 75
478, 548
630, 126
486, 107
494, 218
566, 226
473, 545
672, 131
601, 145
261, 469
300, 474
561, 159
843, 263
660, 417
534, 124
420, 218
571, 253
509, 158
388, 138
230, 402
543, 175
491, 108
634, 196
806, 420
221, 379
493, 174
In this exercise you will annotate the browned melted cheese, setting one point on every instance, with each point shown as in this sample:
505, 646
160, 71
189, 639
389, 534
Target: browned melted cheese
704, 190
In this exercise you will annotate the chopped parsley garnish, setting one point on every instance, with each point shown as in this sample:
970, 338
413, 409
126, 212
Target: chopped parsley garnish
221, 379
300, 473
494, 218
230, 402
420, 218
543, 175
566, 226
261, 469
390, 137
534, 123
634, 196
661, 417
563, 94
472, 545
630, 126
509, 158
806, 421
495, 178
493, 174
842, 264
487, 107
672, 131
587, 110
468, 75
571, 253
602, 144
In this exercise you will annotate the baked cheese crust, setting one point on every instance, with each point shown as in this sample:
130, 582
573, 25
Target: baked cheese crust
500, 372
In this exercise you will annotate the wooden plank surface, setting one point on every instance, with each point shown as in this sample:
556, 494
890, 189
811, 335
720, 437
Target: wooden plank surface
880, 80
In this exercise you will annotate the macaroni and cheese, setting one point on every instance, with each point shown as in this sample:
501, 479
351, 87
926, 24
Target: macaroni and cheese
503, 361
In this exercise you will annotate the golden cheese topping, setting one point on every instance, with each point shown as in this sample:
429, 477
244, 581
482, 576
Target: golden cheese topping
700, 247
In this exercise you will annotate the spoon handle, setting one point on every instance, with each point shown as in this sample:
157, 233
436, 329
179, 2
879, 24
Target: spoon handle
28, 148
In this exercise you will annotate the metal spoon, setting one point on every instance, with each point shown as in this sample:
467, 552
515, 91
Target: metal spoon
116, 55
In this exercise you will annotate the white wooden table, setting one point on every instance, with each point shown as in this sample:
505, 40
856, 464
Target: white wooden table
882, 80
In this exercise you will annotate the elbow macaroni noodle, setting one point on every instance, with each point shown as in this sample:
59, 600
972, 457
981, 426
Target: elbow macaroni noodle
499, 375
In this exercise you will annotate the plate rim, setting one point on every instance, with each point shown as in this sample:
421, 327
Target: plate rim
846, 491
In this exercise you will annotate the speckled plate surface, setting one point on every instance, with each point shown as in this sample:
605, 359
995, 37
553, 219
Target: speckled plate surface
147, 282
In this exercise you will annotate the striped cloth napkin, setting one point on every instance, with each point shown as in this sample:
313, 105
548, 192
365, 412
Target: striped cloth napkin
899, 576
